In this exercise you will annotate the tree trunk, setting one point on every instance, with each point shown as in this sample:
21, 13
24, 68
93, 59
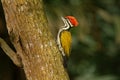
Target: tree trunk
29, 33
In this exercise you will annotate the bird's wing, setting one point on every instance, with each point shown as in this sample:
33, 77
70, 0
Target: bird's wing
66, 41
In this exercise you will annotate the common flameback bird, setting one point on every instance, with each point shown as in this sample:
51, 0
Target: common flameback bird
64, 38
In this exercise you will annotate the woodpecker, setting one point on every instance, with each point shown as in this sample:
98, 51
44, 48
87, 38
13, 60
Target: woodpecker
64, 38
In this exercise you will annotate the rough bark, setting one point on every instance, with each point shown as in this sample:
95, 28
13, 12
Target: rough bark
29, 33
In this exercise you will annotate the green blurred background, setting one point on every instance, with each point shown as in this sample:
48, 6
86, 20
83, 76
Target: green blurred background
95, 51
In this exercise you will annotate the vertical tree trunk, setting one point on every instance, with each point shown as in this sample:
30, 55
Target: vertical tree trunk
29, 33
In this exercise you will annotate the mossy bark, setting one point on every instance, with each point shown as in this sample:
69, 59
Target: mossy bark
29, 33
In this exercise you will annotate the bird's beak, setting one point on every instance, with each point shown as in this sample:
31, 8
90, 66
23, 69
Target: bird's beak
64, 20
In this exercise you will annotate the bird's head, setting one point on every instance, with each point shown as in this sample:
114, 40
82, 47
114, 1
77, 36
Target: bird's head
70, 21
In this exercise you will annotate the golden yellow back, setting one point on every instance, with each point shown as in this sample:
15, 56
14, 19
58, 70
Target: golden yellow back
66, 40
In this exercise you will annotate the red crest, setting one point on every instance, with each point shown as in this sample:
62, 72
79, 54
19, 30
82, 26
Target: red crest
73, 20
